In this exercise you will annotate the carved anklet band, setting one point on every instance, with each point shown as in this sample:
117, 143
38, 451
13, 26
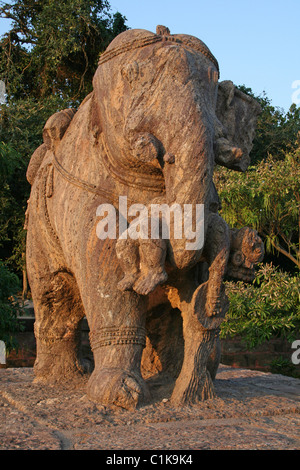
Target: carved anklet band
117, 336
50, 336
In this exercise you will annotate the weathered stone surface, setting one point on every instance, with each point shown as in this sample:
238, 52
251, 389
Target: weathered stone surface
238, 113
253, 410
18, 432
152, 130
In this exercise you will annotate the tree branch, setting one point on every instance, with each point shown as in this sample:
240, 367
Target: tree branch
285, 253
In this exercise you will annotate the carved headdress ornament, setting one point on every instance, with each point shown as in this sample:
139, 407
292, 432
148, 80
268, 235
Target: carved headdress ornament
162, 35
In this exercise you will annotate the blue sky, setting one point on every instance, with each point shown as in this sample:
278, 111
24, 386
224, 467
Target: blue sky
257, 42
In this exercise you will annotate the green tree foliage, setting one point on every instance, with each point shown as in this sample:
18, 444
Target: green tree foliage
54, 45
276, 131
9, 325
12, 206
21, 124
47, 61
267, 198
268, 308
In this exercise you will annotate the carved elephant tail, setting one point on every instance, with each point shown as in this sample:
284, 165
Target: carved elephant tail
53, 132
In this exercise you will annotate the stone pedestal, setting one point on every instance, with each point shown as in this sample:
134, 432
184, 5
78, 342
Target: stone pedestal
252, 410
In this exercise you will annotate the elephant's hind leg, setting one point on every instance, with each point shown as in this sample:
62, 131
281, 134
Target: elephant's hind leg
58, 312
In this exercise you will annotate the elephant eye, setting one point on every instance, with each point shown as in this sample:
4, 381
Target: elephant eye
130, 72
238, 258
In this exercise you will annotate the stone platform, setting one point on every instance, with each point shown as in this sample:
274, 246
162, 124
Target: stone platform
253, 410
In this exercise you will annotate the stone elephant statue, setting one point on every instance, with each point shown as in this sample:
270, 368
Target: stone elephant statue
152, 130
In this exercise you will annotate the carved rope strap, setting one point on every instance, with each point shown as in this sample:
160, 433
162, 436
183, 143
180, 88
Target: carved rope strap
92, 188
117, 336
130, 46
79, 183
148, 40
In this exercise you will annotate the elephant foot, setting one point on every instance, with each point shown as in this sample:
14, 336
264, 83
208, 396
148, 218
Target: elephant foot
149, 281
127, 282
59, 371
117, 387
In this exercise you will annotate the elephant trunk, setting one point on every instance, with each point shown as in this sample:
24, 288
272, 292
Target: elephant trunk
181, 114
188, 174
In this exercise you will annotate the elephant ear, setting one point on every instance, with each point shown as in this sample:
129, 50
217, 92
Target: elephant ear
237, 115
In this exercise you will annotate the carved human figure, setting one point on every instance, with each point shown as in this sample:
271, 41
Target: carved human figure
143, 259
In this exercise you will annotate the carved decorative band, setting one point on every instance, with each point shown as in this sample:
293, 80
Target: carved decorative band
118, 336
49, 336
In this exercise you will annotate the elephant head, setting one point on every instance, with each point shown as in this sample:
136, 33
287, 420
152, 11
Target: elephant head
156, 107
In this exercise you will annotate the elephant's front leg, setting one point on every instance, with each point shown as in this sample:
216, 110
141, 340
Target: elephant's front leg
117, 330
117, 379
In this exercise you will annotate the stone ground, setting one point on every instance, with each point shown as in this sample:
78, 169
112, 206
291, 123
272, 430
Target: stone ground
253, 411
